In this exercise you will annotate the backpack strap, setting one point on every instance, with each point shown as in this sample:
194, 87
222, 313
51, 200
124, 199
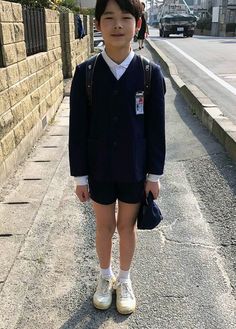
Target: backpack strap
90, 66
147, 70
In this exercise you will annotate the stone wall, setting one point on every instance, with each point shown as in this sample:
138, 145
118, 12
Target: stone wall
31, 88
74, 50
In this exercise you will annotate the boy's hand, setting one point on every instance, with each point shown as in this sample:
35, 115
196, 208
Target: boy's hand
154, 187
82, 192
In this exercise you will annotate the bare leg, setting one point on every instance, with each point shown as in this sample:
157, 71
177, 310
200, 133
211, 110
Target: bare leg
105, 228
127, 214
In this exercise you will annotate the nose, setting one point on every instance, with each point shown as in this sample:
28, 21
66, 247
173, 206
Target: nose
118, 25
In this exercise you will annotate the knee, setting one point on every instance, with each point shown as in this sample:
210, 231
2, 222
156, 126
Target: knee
125, 229
106, 231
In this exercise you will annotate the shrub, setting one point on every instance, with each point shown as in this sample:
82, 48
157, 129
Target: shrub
204, 24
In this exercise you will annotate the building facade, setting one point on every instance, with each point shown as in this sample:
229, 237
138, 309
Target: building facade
86, 3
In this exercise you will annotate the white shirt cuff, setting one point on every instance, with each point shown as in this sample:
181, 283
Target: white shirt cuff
81, 180
153, 178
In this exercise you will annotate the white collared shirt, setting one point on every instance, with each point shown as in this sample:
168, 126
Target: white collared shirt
118, 70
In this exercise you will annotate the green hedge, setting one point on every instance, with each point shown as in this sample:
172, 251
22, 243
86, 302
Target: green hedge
204, 24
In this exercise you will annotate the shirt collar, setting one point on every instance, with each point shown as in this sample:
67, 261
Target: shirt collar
112, 64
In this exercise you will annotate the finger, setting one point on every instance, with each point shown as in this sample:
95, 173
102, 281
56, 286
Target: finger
87, 196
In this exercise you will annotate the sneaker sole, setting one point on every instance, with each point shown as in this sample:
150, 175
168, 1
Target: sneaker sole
101, 307
125, 312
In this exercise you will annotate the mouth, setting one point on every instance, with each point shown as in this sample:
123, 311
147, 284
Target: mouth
117, 35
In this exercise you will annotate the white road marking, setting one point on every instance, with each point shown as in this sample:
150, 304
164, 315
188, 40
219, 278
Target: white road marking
204, 69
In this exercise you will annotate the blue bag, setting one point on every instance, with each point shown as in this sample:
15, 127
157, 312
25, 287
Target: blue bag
149, 215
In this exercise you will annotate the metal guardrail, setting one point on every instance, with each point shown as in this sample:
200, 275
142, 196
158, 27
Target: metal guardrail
35, 30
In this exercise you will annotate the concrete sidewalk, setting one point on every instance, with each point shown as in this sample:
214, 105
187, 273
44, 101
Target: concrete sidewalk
48, 264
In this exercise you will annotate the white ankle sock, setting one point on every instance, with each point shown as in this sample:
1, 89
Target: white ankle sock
124, 275
106, 272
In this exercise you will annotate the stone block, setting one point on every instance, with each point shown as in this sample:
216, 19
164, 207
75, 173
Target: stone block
8, 144
17, 12
52, 82
49, 101
3, 79
52, 16
54, 97
44, 90
49, 44
55, 16
17, 112
57, 53
30, 121
27, 105
51, 56
57, 41
7, 33
18, 92
19, 132
20, 51
7, 121
13, 74
9, 54
1, 154
32, 82
4, 101
42, 60
49, 31
59, 78
23, 69
71, 18
6, 13
54, 29
32, 64
19, 32
41, 77
35, 98
42, 108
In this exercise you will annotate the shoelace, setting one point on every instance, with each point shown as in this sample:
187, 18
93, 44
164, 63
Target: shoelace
125, 290
104, 285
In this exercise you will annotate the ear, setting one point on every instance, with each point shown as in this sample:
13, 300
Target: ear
97, 24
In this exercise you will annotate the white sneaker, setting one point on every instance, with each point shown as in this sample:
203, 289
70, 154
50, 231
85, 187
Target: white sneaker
125, 299
102, 298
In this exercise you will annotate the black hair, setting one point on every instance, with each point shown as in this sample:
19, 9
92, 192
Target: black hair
143, 4
131, 6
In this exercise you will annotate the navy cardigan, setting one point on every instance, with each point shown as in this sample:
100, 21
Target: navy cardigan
109, 141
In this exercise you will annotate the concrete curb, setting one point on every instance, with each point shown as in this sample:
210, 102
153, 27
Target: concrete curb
201, 106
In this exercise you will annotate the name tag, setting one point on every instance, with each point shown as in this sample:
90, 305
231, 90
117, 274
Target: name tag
139, 102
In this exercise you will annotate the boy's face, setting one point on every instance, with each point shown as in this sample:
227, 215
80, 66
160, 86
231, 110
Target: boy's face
117, 27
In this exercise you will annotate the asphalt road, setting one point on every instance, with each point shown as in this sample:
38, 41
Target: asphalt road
184, 272
207, 62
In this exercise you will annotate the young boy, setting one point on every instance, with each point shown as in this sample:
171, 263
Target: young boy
116, 147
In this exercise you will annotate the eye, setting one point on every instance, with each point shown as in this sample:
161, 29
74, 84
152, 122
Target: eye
108, 17
127, 17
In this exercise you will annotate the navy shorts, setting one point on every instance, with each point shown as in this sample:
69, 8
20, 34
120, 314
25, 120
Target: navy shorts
108, 192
